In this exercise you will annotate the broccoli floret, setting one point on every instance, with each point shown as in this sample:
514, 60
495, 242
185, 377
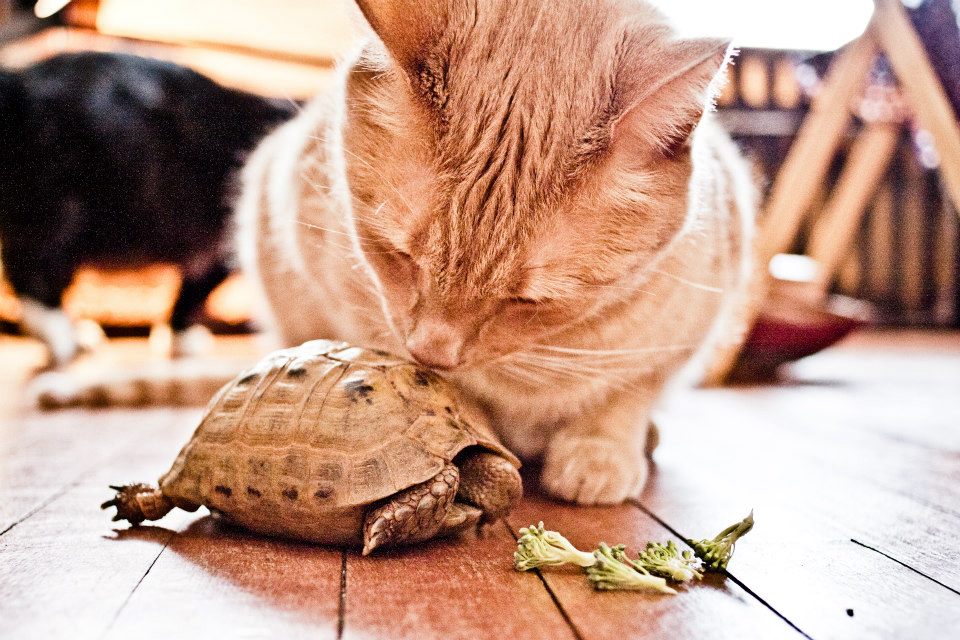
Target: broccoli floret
611, 570
716, 553
667, 561
538, 547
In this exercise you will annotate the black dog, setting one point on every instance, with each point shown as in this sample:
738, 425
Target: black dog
114, 160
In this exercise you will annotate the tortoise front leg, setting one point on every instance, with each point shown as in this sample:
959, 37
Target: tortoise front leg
414, 515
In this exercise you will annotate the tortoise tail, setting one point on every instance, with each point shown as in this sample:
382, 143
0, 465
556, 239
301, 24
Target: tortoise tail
138, 502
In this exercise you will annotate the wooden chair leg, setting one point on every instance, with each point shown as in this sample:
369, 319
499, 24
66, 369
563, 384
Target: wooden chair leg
894, 33
801, 176
837, 226
808, 162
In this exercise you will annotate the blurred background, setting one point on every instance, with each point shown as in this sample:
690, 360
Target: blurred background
903, 259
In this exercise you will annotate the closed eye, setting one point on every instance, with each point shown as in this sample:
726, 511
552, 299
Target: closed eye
527, 301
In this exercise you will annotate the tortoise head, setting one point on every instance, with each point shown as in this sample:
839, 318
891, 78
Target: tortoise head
490, 482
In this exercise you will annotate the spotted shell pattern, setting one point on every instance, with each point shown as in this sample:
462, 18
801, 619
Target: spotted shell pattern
301, 443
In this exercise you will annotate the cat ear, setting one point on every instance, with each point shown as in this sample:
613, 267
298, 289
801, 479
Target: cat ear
404, 26
666, 110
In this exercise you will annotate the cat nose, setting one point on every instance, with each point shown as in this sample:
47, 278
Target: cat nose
435, 345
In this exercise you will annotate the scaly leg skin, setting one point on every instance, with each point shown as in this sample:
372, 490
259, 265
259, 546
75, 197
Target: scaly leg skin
414, 515
490, 482
599, 457
138, 502
460, 518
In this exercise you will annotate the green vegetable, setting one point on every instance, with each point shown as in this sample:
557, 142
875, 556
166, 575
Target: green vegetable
610, 568
667, 561
716, 553
538, 547
613, 570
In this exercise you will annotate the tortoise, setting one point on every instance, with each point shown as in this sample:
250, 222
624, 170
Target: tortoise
339, 445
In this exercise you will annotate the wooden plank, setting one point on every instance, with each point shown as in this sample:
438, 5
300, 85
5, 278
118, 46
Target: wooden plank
800, 561
713, 608
850, 274
913, 254
247, 582
241, 69
808, 162
915, 484
45, 454
917, 369
837, 227
895, 34
881, 246
819, 465
946, 260
250, 585
64, 575
449, 589
300, 29
865, 448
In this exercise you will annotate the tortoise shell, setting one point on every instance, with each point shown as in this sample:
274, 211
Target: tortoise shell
311, 435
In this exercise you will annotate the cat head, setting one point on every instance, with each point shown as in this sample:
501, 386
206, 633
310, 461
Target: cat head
515, 165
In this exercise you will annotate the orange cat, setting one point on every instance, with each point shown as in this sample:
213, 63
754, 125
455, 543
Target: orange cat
527, 196
530, 197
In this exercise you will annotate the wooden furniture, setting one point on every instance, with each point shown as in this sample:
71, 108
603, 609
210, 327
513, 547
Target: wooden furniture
807, 164
805, 169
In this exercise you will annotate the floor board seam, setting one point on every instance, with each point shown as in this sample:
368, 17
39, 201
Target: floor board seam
48, 501
126, 600
342, 603
553, 596
65, 489
905, 565
732, 577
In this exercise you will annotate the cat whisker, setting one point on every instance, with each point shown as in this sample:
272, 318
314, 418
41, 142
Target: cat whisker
519, 374
601, 353
554, 369
379, 174
357, 212
316, 227
689, 283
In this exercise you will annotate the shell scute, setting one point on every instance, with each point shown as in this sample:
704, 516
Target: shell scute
369, 479
443, 437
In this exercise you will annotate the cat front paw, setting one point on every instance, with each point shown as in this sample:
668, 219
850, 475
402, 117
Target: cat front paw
593, 470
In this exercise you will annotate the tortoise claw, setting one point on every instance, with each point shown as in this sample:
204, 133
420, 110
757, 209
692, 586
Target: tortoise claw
370, 544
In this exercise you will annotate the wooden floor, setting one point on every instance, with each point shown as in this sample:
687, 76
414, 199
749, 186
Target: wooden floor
853, 472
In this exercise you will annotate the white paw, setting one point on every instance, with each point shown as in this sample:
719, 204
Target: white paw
54, 389
593, 470
193, 341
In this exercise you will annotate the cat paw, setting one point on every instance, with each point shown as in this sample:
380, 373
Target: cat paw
592, 470
193, 341
53, 390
